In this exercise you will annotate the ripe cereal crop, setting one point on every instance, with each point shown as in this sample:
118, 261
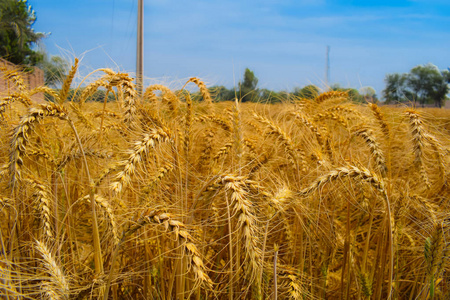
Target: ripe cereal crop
171, 196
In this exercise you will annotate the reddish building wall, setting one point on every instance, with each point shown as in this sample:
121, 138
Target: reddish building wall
31, 80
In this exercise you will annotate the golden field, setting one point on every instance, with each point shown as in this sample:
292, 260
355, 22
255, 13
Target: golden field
170, 197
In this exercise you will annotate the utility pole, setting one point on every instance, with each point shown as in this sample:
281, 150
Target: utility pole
327, 67
140, 49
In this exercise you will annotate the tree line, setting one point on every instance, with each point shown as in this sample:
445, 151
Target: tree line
247, 91
424, 84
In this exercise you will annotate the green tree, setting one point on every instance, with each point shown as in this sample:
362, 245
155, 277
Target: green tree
309, 92
268, 96
428, 84
17, 36
247, 88
55, 70
395, 90
221, 93
353, 94
423, 84
369, 94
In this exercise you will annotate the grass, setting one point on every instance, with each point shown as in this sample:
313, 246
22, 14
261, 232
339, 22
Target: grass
170, 197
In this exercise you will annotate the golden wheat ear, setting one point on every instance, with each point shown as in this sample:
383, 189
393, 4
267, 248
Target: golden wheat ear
331, 95
22, 132
350, 172
56, 283
43, 203
294, 155
380, 119
242, 209
156, 217
106, 207
136, 156
14, 77
67, 83
369, 138
150, 95
203, 89
8, 100
418, 138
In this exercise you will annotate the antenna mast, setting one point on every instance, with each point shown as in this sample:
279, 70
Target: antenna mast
140, 49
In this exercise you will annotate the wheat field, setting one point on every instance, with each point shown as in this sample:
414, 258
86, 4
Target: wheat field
173, 197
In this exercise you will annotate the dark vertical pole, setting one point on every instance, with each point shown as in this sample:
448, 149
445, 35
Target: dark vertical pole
140, 49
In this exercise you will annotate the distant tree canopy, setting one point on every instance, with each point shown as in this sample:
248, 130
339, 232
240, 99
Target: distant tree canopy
17, 36
18, 40
248, 91
353, 94
308, 92
221, 93
369, 94
55, 69
424, 84
247, 87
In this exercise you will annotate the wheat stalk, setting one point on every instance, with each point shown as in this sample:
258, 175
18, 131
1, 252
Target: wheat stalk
331, 95
237, 133
162, 172
224, 124
129, 91
308, 123
203, 89
14, 76
104, 204
89, 90
295, 287
108, 113
418, 135
380, 118
44, 89
208, 138
246, 221
42, 201
439, 150
351, 172
57, 284
137, 155
364, 175
292, 282
333, 116
284, 139
67, 82
341, 109
224, 150
21, 133
83, 119
366, 284
22, 98
368, 136
150, 95
434, 256
157, 217
188, 125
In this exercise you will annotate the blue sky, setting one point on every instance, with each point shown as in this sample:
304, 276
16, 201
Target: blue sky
283, 42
